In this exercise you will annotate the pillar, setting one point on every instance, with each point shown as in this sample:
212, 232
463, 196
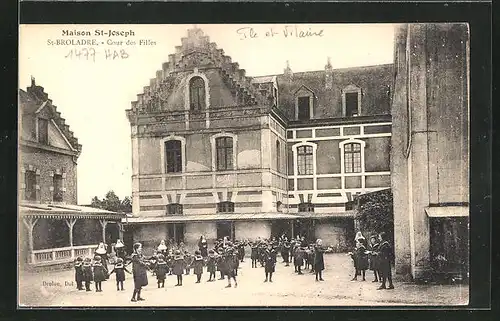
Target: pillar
120, 230
103, 224
293, 225
30, 224
70, 223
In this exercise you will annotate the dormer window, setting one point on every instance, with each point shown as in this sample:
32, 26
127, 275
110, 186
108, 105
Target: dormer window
43, 131
351, 101
304, 108
197, 93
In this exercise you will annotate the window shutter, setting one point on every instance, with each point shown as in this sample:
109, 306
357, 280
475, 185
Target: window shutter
63, 189
37, 187
51, 174
23, 186
23, 170
30, 167
37, 172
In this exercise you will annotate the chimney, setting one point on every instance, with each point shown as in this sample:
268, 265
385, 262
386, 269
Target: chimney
33, 81
328, 74
288, 72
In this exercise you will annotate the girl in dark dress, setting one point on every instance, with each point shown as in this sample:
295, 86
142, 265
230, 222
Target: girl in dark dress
161, 271
384, 256
79, 273
179, 265
120, 250
318, 260
188, 258
269, 263
374, 245
139, 271
198, 265
285, 252
254, 254
211, 265
119, 269
298, 258
361, 259
229, 266
220, 263
100, 273
87, 273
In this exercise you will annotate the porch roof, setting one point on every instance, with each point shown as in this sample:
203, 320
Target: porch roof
63, 211
228, 217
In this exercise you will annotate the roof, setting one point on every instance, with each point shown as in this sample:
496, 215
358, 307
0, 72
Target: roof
231, 217
263, 79
34, 100
66, 211
374, 82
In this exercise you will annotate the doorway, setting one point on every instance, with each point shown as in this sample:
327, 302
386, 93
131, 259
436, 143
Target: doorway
225, 228
305, 228
280, 227
176, 232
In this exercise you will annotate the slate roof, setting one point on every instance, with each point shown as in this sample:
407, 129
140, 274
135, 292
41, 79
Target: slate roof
34, 99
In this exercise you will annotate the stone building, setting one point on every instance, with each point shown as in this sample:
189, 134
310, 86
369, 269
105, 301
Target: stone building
430, 148
219, 153
52, 227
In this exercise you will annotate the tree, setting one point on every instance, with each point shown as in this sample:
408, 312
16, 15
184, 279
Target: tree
375, 213
112, 202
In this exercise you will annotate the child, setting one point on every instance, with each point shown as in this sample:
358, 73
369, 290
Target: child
269, 263
285, 252
220, 264
161, 270
188, 261
100, 273
254, 254
179, 265
119, 270
298, 258
87, 273
229, 267
361, 259
236, 260
198, 265
318, 260
153, 261
170, 262
385, 257
211, 263
139, 271
241, 251
374, 245
79, 273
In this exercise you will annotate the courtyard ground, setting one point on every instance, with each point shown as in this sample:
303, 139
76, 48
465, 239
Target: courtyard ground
58, 289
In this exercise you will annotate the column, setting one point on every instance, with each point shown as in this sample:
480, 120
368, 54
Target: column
120, 230
70, 223
293, 225
30, 224
103, 224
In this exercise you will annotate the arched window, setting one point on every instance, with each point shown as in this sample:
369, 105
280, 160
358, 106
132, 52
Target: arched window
197, 93
352, 158
173, 156
174, 209
305, 160
224, 153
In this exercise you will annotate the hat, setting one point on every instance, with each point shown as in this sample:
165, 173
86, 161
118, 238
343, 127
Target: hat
177, 252
197, 252
211, 251
137, 245
119, 260
161, 257
101, 249
119, 244
97, 258
87, 259
79, 259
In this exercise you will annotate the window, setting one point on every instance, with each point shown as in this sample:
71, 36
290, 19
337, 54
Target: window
305, 160
174, 209
306, 207
57, 184
225, 207
352, 158
351, 104
197, 93
224, 150
303, 108
43, 131
173, 155
30, 182
278, 156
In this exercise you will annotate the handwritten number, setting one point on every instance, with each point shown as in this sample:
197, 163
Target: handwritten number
70, 54
92, 54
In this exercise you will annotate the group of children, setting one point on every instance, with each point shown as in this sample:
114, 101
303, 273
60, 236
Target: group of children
377, 256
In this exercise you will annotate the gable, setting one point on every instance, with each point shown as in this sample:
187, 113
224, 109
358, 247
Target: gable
57, 138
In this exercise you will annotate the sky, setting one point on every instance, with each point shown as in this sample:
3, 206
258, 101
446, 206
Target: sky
92, 92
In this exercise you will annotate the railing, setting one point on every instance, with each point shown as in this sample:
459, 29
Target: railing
63, 254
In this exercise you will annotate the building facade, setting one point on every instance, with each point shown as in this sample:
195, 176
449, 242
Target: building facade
219, 153
430, 148
52, 227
